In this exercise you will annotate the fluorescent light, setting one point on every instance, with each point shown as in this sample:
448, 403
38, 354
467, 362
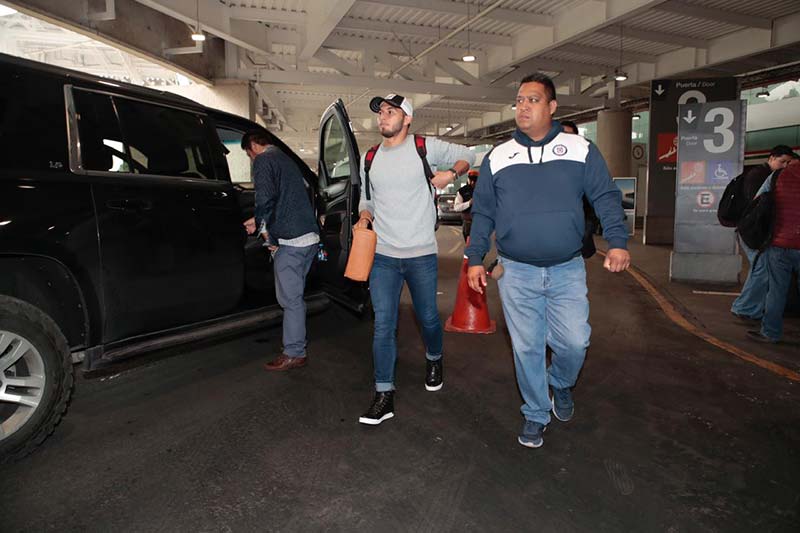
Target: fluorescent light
636, 117
762, 94
198, 37
448, 128
513, 106
620, 76
469, 58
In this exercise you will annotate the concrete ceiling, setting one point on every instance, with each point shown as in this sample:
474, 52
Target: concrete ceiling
302, 54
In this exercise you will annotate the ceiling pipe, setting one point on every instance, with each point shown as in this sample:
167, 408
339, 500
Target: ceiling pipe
434, 46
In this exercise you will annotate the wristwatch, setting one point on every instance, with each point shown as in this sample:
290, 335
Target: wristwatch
454, 171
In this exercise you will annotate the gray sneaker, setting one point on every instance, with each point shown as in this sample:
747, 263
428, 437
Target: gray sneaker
531, 436
563, 406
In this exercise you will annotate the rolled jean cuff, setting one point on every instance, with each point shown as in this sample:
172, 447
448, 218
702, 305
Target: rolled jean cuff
295, 356
431, 357
384, 386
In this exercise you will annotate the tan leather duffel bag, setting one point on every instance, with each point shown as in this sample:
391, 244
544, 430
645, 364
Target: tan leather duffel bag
362, 254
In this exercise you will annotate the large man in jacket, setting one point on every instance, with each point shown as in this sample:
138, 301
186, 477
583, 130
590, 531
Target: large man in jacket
530, 193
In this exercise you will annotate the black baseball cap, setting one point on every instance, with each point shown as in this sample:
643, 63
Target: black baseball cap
394, 100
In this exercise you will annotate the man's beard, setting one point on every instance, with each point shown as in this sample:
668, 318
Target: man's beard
391, 133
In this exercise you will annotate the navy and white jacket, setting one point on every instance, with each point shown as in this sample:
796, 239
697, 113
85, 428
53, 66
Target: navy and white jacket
530, 193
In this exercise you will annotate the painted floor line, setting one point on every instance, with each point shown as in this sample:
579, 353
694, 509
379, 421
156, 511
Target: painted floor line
681, 321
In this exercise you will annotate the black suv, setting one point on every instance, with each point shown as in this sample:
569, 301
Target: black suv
121, 213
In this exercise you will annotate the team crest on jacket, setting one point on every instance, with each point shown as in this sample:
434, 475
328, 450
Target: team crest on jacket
559, 150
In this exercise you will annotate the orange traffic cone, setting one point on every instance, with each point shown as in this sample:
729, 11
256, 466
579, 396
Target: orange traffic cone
471, 313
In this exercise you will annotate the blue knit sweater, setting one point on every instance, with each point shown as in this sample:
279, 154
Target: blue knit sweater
282, 201
530, 193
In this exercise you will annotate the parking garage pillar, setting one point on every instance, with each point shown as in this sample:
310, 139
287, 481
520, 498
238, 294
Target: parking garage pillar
614, 140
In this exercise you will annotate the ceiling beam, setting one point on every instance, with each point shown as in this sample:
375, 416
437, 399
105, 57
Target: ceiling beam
342, 65
272, 16
381, 85
606, 53
718, 15
454, 70
460, 8
534, 64
656, 36
391, 46
322, 20
399, 28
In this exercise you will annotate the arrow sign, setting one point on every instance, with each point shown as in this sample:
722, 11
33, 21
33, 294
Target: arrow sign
659, 90
689, 118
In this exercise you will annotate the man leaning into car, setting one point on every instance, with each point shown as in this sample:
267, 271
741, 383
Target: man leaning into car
285, 219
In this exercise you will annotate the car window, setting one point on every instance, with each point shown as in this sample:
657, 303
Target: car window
101, 146
165, 141
127, 136
33, 130
238, 162
335, 155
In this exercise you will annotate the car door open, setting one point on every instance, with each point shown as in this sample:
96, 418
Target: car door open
337, 203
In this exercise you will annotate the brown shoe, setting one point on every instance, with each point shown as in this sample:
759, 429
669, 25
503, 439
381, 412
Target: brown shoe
284, 362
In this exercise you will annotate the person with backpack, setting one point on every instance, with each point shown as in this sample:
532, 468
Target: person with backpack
749, 305
783, 253
397, 196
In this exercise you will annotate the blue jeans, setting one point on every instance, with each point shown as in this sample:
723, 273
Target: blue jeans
291, 265
385, 284
781, 262
545, 306
754, 292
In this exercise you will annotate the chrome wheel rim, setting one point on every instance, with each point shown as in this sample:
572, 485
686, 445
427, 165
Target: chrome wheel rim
22, 381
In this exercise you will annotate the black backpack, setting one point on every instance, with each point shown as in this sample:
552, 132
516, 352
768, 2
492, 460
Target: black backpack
733, 203
758, 221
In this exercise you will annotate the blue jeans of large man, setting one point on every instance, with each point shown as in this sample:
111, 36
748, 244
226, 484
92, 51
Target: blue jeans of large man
545, 306
754, 292
291, 266
781, 262
385, 285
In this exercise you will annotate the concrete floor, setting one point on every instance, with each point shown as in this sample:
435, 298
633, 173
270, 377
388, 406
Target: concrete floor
670, 434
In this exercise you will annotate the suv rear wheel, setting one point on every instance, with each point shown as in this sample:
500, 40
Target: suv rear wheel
35, 377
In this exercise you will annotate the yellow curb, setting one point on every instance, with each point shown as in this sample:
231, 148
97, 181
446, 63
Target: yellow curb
674, 315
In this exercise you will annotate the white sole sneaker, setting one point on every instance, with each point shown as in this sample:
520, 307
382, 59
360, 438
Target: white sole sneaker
437, 387
553, 404
530, 444
375, 421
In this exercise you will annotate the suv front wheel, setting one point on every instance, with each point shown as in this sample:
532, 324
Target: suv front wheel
35, 377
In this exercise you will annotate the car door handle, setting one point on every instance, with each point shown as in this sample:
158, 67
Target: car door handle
130, 204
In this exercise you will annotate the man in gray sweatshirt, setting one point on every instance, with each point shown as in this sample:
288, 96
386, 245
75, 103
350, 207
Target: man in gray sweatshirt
403, 215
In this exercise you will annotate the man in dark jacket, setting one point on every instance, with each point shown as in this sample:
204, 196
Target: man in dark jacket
285, 219
783, 254
749, 305
530, 193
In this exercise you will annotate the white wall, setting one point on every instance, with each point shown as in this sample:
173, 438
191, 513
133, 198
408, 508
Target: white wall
232, 96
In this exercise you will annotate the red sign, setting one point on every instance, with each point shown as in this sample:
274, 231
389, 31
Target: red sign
667, 148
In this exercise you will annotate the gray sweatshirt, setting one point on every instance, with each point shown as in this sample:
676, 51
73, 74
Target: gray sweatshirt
402, 201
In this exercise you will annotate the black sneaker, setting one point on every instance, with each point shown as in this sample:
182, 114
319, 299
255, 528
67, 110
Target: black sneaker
434, 375
382, 408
